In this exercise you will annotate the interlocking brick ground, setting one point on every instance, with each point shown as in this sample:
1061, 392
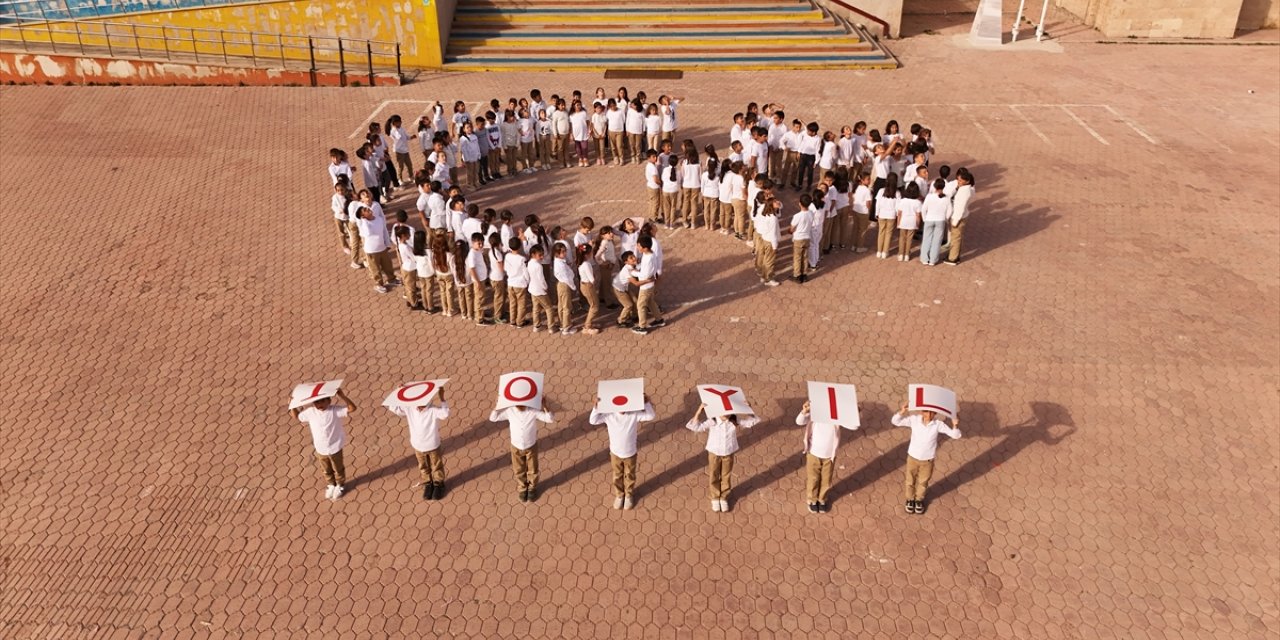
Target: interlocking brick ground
171, 272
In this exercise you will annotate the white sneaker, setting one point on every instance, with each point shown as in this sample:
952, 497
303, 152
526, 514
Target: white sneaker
617, 503
627, 503
328, 492
724, 505
715, 505
337, 492
771, 283
568, 332
346, 251
356, 265
381, 289
537, 329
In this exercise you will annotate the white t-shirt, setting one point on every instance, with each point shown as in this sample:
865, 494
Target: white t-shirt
497, 273
820, 438
407, 260
374, 233
909, 211
622, 279
587, 272
400, 139
523, 423
802, 225
617, 120
653, 125
475, 261
924, 437
578, 126
635, 122
651, 175
862, 199
648, 269
936, 208
670, 185
722, 435
692, 175
537, 279
338, 203
710, 186
623, 428
563, 273
767, 229
808, 145
469, 146
327, 432
669, 115
514, 265
886, 207
599, 124
424, 425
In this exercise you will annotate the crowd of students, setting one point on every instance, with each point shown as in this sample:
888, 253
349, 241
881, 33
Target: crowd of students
462, 260
847, 183
326, 419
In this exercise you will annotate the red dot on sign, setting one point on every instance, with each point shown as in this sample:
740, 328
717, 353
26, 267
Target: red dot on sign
619, 400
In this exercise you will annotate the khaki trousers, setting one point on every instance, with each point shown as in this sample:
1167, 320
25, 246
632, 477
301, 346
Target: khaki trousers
828, 232
719, 472
473, 174
604, 277
710, 211
335, 472
342, 233
527, 154
357, 247
624, 475
790, 166
817, 478
512, 154
628, 303
904, 241
411, 290
655, 203
380, 268
599, 145
543, 304
446, 292
544, 152
884, 236
740, 216
957, 234
917, 478
427, 291
477, 301
670, 204
799, 257
524, 463
776, 157
726, 214
615, 143
593, 304
766, 259
430, 465
499, 299
634, 139
690, 199
564, 304
519, 298
648, 306
560, 149
465, 299
861, 222
404, 163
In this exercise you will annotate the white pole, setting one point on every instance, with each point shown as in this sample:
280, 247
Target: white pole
1017, 21
1044, 10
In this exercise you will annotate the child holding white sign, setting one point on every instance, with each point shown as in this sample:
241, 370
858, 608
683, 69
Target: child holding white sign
424, 437
329, 436
623, 429
722, 443
821, 439
925, 428
523, 423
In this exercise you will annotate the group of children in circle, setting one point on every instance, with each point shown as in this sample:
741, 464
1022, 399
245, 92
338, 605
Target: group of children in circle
848, 183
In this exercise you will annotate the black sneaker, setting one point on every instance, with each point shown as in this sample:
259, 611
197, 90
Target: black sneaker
427, 490
438, 492
824, 507
813, 507
533, 495
524, 496
919, 506
484, 321
910, 506
660, 322
802, 278
639, 330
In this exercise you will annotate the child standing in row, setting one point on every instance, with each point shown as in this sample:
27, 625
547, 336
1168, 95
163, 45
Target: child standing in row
329, 436
523, 425
424, 437
623, 430
722, 444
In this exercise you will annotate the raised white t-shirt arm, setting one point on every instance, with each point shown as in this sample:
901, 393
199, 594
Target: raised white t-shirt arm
900, 420
951, 432
698, 426
748, 422
546, 416
596, 418
497, 415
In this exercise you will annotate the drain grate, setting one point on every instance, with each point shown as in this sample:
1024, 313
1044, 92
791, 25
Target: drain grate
643, 74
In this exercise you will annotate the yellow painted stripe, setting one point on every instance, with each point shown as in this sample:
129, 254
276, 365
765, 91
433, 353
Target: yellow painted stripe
704, 43
577, 18
462, 66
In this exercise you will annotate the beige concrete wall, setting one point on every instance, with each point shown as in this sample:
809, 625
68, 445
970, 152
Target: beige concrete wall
888, 10
1259, 14
1172, 18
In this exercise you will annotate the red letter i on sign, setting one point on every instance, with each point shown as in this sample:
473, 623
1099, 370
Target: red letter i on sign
831, 397
316, 391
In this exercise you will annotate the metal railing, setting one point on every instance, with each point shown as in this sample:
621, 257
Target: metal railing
33, 10
206, 46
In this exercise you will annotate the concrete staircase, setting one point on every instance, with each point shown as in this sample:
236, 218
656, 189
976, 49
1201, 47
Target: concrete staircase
656, 34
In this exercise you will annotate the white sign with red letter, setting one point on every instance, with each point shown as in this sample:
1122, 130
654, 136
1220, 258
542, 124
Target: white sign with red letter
617, 396
927, 397
415, 394
308, 392
834, 404
723, 400
520, 389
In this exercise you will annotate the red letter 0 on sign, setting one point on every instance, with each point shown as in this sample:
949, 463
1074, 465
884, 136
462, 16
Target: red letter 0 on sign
533, 389
403, 393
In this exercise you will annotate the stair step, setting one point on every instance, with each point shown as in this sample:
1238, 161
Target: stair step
629, 36
638, 18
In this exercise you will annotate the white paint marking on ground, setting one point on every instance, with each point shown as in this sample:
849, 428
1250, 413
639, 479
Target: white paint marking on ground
1034, 128
1133, 126
981, 129
364, 124
600, 202
1086, 127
